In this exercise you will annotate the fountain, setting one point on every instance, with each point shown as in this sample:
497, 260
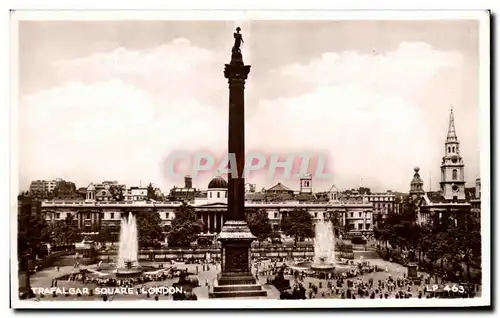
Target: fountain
324, 246
127, 263
324, 251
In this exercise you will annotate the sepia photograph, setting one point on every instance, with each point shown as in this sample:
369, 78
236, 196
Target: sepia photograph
250, 159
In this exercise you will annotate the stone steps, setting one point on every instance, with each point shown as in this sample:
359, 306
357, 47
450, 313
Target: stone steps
236, 280
237, 288
237, 292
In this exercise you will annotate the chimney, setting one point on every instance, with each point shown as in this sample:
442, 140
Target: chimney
188, 182
478, 188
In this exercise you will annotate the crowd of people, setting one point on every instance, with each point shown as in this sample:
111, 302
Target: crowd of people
338, 286
352, 282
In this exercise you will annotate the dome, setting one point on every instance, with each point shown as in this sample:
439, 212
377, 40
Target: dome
416, 177
217, 183
91, 187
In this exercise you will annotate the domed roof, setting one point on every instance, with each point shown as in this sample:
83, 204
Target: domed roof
416, 177
91, 187
217, 183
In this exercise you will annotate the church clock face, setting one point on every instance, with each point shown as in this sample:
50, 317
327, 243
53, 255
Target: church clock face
454, 160
454, 188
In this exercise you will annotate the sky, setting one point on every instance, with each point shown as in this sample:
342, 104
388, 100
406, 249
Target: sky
110, 100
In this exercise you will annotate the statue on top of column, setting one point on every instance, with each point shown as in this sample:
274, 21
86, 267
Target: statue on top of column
238, 39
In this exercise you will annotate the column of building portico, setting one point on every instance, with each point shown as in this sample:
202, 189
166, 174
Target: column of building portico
79, 217
364, 220
208, 221
344, 221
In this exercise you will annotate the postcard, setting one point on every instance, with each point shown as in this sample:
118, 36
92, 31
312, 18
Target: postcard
250, 159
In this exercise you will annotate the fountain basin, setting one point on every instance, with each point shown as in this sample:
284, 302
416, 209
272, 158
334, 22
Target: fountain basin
110, 271
321, 267
129, 272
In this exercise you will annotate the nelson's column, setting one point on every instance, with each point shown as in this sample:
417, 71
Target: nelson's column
236, 279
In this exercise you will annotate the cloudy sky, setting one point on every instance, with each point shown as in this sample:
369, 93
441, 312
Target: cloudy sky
111, 100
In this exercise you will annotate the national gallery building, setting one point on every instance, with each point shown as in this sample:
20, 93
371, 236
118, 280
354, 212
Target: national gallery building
211, 206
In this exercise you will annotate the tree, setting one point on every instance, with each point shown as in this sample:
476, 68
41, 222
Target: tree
116, 192
151, 192
425, 240
298, 224
260, 225
65, 190
464, 245
66, 231
32, 233
185, 227
337, 224
106, 235
149, 228
364, 190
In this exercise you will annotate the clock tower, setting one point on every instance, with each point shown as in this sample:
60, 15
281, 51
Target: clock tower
452, 166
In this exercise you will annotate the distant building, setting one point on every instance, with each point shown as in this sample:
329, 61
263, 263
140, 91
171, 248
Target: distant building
37, 187
211, 205
450, 203
136, 194
46, 188
416, 186
185, 194
475, 200
306, 183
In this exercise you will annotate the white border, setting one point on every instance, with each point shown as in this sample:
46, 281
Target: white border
239, 15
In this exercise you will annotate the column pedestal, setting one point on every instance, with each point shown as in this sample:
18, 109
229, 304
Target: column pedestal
412, 273
236, 279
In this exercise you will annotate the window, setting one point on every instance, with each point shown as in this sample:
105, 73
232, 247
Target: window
315, 214
455, 198
275, 215
88, 216
454, 174
352, 214
225, 194
453, 149
210, 194
360, 226
449, 149
112, 215
58, 215
359, 214
218, 195
367, 226
166, 215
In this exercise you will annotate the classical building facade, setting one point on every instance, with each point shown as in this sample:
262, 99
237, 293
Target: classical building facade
356, 214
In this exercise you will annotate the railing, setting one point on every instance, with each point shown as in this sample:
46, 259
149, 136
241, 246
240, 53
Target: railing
110, 203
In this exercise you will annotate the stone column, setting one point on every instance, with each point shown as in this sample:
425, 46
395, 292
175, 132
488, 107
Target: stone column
235, 236
364, 220
208, 221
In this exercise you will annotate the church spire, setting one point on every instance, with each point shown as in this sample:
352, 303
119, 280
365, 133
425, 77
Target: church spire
452, 166
452, 135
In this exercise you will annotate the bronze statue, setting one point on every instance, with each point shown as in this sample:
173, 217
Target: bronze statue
238, 39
